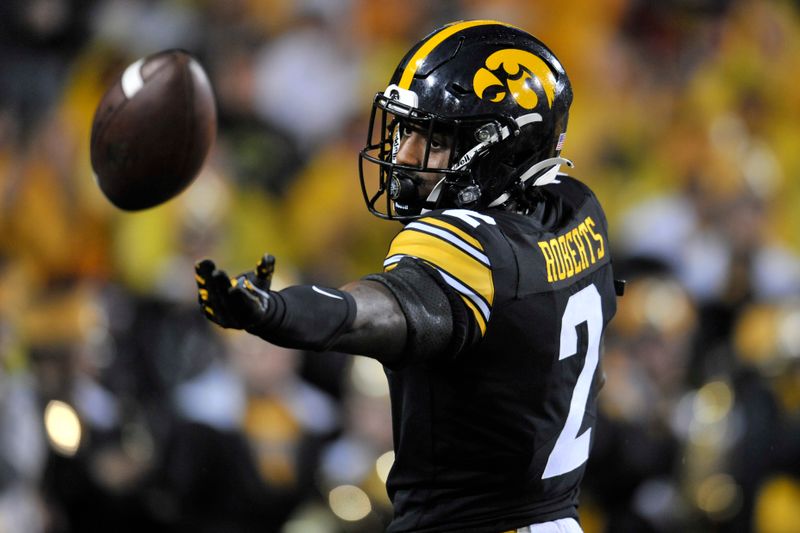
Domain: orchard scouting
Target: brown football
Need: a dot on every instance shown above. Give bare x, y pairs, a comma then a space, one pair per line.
152, 130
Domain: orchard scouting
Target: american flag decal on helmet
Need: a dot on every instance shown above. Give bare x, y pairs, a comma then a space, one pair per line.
560, 141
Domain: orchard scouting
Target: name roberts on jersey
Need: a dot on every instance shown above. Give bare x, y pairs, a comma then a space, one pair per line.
573, 251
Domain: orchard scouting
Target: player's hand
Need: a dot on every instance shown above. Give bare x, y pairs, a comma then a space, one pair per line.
239, 302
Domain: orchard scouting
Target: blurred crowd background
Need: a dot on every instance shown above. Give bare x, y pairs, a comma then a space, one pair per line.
122, 410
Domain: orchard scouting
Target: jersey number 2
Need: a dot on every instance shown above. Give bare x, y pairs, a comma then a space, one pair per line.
572, 450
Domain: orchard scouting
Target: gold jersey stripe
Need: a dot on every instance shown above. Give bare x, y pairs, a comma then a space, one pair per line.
466, 291
466, 237
478, 316
443, 255
451, 238
434, 41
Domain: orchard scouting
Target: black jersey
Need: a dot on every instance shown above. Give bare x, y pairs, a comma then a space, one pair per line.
498, 436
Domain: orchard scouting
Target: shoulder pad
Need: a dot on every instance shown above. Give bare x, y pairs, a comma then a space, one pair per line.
450, 241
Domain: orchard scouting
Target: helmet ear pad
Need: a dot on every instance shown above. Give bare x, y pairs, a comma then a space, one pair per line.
494, 171
498, 170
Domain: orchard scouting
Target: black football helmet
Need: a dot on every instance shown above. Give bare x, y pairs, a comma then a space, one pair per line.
500, 95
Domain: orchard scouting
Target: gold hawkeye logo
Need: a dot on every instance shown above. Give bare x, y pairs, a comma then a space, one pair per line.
520, 70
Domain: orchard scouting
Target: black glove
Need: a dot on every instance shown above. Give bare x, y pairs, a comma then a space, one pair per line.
240, 302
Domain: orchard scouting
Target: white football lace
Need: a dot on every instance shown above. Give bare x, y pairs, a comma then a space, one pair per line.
132, 80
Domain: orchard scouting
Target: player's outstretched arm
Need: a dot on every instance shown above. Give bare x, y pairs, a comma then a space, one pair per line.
379, 328
363, 317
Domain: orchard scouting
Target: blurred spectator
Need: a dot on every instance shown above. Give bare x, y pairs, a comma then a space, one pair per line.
356, 465
143, 27
634, 474
22, 450
38, 39
247, 454
307, 80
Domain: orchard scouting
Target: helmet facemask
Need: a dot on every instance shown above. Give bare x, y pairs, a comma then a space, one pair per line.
393, 190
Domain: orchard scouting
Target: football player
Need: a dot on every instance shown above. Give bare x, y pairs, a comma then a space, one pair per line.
490, 310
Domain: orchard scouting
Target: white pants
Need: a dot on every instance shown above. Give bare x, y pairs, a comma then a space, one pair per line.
564, 525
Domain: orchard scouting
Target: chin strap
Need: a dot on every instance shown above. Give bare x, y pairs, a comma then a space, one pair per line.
552, 166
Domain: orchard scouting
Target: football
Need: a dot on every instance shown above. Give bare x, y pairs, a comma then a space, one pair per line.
152, 130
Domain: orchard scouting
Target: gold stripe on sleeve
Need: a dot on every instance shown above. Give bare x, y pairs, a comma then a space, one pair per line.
466, 237
478, 316
447, 257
